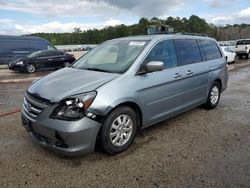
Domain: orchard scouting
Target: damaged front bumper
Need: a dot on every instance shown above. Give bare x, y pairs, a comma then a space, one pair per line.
70, 138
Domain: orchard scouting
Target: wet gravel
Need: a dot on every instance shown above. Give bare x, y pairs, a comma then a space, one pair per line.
198, 148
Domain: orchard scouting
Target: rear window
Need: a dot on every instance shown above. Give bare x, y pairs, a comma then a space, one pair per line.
188, 51
211, 50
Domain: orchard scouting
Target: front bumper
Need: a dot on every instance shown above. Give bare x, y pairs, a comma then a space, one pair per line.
17, 67
70, 138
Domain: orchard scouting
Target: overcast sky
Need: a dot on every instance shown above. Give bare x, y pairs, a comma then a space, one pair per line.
31, 16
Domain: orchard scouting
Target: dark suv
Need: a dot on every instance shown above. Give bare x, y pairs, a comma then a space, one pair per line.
42, 60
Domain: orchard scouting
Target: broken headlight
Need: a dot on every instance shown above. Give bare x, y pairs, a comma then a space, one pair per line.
73, 108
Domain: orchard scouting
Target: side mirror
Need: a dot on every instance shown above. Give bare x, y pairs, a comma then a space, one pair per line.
153, 66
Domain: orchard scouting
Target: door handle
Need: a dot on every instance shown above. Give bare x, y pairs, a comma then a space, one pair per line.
189, 72
49, 59
177, 75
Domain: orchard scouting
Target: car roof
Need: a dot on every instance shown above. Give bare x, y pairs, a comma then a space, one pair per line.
241, 40
9, 37
157, 37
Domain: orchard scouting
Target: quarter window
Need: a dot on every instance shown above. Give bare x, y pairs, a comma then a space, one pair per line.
188, 51
163, 51
211, 50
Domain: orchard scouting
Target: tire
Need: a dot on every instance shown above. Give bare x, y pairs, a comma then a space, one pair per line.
115, 129
30, 68
213, 96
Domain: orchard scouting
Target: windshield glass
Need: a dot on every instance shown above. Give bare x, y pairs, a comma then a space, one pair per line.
114, 56
34, 54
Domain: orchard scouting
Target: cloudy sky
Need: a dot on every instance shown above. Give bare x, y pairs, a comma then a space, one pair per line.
30, 16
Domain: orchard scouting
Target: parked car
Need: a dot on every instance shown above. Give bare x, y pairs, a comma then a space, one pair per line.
121, 86
12, 47
229, 54
242, 48
42, 60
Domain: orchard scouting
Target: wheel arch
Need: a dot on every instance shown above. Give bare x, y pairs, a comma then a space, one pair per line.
218, 81
133, 106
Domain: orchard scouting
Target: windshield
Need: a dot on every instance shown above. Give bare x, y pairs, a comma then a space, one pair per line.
34, 54
114, 56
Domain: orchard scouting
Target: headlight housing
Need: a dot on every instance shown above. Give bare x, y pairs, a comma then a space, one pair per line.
19, 63
73, 108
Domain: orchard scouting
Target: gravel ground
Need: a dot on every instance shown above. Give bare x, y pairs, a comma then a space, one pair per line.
198, 148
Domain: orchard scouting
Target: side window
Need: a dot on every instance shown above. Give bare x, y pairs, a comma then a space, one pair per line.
240, 42
56, 53
247, 42
163, 51
47, 53
211, 50
188, 51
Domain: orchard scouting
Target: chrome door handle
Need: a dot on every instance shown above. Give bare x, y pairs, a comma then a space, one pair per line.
189, 72
177, 75
49, 59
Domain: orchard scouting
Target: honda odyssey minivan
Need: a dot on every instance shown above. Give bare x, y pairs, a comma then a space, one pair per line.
121, 86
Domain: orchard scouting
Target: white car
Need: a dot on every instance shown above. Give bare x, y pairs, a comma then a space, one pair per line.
229, 54
242, 48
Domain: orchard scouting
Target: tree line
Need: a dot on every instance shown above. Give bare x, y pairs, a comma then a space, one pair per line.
194, 24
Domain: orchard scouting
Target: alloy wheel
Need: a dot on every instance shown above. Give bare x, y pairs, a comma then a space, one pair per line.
121, 130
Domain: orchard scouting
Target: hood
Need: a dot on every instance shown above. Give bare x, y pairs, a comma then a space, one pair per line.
69, 81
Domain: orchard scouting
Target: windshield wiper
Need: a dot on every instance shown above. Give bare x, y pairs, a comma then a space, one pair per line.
96, 69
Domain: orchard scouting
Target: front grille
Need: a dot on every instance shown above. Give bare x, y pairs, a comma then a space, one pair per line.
33, 105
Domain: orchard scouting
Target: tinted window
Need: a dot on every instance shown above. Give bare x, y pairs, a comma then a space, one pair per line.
211, 50
240, 42
164, 51
46, 53
248, 42
55, 52
188, 51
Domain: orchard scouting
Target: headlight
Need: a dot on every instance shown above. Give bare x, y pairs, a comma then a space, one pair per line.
19, 63
73, 108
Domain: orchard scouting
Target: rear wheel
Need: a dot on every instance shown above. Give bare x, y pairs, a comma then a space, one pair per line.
30, 68
213, 96
118, 130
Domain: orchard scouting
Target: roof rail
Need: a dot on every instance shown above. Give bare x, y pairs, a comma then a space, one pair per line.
193, 34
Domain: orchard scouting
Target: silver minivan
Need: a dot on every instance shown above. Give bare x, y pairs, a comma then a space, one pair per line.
121, 86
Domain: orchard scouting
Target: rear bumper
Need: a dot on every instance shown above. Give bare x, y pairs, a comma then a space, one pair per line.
70, 138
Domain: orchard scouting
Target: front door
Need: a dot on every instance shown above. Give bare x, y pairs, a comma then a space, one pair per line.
162, 92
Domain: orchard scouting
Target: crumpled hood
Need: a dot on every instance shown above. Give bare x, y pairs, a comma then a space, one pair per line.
67, 82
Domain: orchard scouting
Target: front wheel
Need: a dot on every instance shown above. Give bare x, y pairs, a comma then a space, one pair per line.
213, 96
30, 68
119, 130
